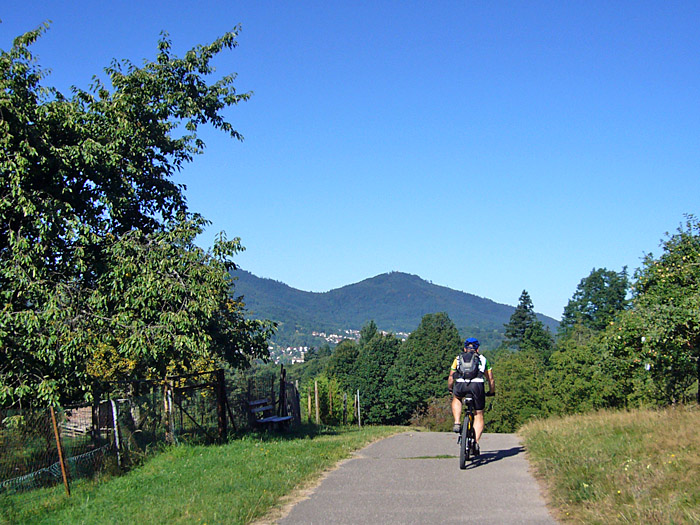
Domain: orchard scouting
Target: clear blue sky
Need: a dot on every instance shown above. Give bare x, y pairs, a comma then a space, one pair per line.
486, 146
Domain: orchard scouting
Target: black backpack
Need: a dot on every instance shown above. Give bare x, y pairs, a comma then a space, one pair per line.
468, 365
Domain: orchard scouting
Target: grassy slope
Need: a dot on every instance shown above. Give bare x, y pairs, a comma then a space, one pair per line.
233, 483
640, 466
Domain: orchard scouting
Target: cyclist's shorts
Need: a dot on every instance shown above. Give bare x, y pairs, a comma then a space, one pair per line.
477, 390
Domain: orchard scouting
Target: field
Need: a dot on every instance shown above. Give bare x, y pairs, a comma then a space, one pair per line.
233, 483
638, 466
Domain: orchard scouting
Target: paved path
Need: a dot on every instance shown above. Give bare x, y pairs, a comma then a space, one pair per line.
408, 479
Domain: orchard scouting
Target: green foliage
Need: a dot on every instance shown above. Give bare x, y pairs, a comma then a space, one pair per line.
597, 300
376, 358
341, 364
395, 301
99, 276
333, 400
421, 369
661, 332
524, 331
522, 318
522, 391
576, 373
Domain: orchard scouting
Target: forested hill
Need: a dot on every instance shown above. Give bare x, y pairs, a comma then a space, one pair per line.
395, 301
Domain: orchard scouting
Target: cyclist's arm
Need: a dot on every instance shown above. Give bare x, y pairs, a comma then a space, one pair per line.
491, 380
451, 378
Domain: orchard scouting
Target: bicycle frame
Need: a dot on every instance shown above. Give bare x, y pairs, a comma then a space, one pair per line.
467, 437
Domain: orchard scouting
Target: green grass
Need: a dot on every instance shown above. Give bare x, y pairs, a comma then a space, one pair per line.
233, 483
639, 466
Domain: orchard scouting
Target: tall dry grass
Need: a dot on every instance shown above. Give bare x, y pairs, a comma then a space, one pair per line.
637, 466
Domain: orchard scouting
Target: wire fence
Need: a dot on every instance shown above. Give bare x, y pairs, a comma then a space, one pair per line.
46, 447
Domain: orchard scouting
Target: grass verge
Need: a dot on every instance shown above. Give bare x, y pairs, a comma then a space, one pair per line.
233, 483
639, 466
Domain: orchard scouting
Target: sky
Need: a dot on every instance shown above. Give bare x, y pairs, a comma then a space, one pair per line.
491, 147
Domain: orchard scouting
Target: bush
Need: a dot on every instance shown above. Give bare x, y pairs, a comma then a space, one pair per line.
435, 416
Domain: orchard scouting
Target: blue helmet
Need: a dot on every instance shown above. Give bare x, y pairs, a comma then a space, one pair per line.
471, 341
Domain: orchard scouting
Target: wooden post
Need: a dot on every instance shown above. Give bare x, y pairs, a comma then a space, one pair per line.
330, 399
308, 412
316, 400
359, 417
60, 451
221, 404
345, 408
282, 407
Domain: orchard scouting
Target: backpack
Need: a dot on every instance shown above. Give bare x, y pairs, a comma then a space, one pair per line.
468, 365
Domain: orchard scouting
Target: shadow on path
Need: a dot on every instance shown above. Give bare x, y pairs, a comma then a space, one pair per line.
490, 457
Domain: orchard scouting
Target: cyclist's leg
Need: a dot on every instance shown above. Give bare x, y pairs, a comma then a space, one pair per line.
478, 424
457, 409
479, 405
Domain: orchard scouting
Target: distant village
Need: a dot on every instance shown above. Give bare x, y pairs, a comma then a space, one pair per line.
297, 354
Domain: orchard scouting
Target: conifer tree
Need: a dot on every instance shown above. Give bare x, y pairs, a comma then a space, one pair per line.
520, 321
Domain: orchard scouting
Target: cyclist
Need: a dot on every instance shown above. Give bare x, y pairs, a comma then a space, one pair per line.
460, 387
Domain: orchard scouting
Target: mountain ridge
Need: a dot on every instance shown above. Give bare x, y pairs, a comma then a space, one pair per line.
395, 301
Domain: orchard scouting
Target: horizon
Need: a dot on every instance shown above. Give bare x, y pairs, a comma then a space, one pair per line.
558, 320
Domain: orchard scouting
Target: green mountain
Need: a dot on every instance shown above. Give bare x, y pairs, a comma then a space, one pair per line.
395, 301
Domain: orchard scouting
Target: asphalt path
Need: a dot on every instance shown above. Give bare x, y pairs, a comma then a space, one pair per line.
415, 477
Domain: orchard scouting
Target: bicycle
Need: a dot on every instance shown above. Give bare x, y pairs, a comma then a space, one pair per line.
467, 437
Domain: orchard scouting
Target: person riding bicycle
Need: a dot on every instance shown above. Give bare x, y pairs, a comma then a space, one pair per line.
460, 387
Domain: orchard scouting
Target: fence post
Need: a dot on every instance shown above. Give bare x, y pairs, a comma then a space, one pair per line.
330, 400
169, 418
308, 412
116, 432
221, 405
345, 408
316, 400
282, 408
60, 450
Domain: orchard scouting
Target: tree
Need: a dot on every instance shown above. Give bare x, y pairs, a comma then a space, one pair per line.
666, 308
597, 300
341, 364
522, 318
367, 332
376, 357
85, 194
525, 332
522, 392
421, 369
576, 373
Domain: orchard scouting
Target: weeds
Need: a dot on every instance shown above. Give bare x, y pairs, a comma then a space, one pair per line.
620, 467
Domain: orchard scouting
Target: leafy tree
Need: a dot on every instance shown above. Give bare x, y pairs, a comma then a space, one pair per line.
86, 198
522, 392
375, 359
576, 372
662, 329
597, 300
420, 371
341, 364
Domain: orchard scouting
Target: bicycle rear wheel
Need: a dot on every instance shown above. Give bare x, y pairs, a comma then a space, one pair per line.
465, 443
